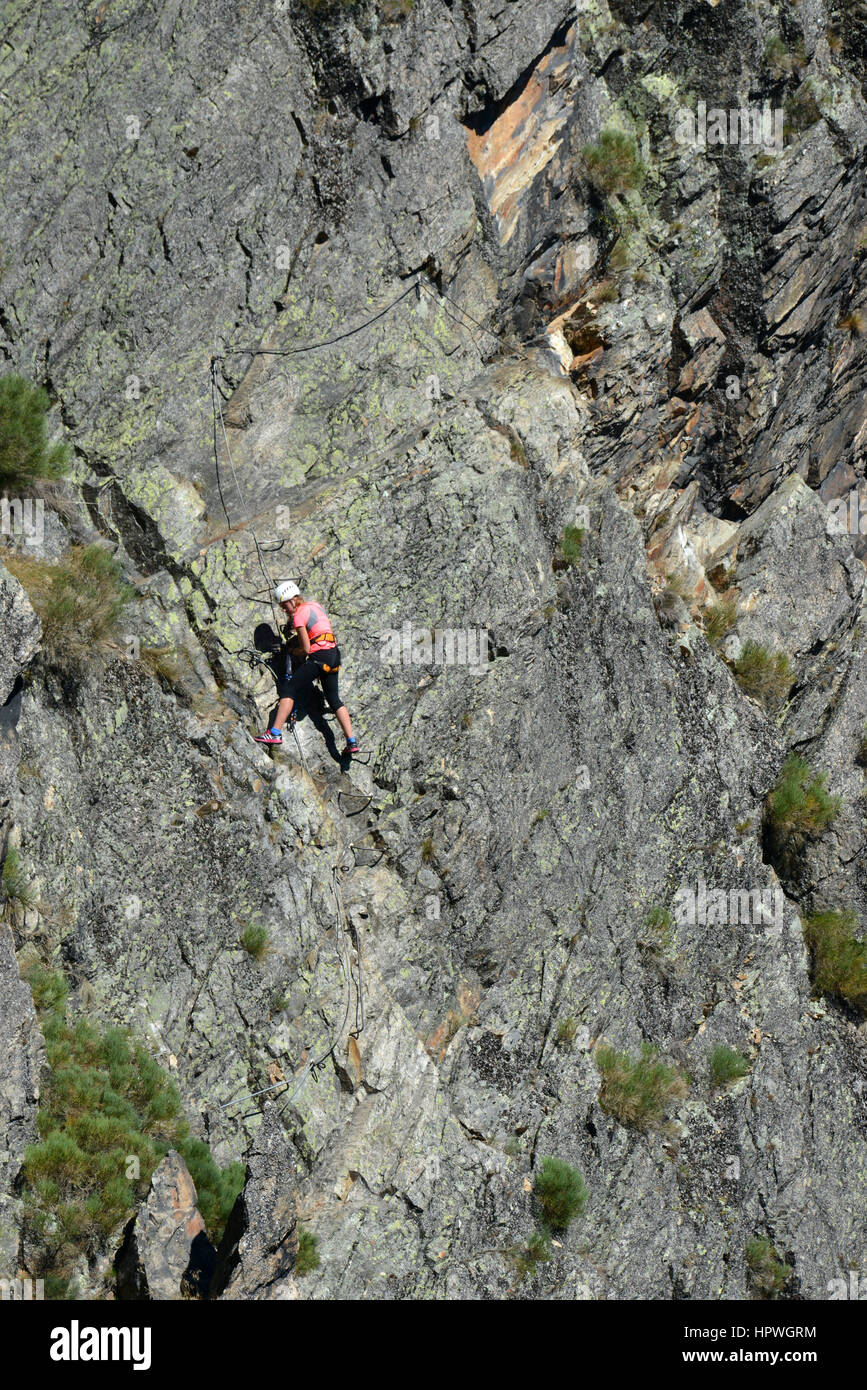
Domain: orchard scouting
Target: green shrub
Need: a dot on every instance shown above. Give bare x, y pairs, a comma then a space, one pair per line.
726, 1065
255, 939
307, 1258
800, 804
780, 59
719, 618
26, 456
569, 547
839, 959
659, 920
766, 1272
658, 930
14, 882
637, 1091
801, 109
561, 1191
527, 1258
79, 600
216, 1188
567, 1031
107, 1100
764, 675
613, 163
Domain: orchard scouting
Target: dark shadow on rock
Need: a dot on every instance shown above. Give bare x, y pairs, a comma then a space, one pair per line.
198, 1275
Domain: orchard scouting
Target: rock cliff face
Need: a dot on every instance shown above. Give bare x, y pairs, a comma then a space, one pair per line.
516, 342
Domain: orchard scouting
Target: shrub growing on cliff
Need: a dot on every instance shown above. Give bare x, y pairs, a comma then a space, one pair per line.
782, 60
26, 456
765, 675
307, 1258
567, 1031
766, 1272
658, 930
637, 1091
107, 1101
569, 547
561, 1191
839, 959
613, 163
719, 618
800, 804
254, 939
726, 1065
527, 1258
14, 882
79, 600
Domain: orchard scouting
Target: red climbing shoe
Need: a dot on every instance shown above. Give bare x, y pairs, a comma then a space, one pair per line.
351, 747
271, 736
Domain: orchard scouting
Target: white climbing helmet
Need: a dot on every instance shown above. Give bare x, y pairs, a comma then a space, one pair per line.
286, 590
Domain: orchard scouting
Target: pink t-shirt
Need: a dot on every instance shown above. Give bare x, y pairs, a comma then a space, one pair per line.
313, 616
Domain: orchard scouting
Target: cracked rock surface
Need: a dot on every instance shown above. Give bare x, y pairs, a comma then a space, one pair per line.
676, 369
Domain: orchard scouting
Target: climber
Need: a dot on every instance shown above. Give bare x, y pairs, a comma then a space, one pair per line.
321, 662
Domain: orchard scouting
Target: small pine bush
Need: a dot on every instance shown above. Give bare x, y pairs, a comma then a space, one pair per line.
659, 921
255, 939
719, 618
107, 1101
800, 804
780, 59
726, 1065
569, 547
839, 959
613, 163
307, 1258
26, 456
561, 1191
79, 600
638, 1091
801, 109
527, 1258
567, 1031
766, 1272
14, 882
764, 675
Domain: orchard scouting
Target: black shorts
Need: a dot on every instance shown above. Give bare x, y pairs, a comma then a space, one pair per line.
298, 685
